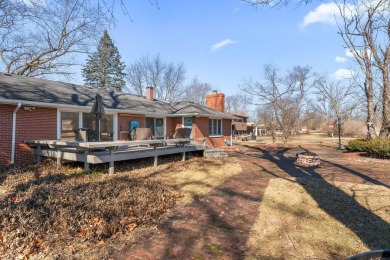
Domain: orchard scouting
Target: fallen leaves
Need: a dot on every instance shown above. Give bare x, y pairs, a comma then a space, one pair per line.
72, 209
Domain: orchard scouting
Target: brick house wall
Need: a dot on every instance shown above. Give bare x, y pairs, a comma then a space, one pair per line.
41, 123
173, 123
200, 129
5, 133
124, 124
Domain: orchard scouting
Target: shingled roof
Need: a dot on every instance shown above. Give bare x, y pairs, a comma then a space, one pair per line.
35, 91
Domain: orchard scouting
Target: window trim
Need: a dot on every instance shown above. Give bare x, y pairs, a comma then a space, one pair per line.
216, 135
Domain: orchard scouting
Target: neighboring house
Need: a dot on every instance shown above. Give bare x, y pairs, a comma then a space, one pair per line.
260, 129
33, 109
239, 125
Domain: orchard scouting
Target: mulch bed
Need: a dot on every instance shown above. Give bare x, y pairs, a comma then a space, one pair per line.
361, 156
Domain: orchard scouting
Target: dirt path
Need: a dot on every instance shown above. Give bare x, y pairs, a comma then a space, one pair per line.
217, 225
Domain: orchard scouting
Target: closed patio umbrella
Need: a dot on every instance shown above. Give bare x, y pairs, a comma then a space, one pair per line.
98, 111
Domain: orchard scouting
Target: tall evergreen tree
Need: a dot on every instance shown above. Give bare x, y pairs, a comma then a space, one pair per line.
104, 68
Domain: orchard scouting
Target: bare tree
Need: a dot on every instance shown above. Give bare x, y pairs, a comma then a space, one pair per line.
172, 82
365, 31
135, 78
238, 104
48, 35
153, 72
266, 115
11, 11
274, 3
196, 91
335, 98
285, 94
167, 79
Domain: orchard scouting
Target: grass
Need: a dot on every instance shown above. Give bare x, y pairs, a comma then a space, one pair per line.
203, 175
320, 140
291, 224
49, 213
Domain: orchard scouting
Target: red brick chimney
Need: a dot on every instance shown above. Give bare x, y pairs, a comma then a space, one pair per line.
216, 101
149, 93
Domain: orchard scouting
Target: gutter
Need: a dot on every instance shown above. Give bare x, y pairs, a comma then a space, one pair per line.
14, 132
87, 109
74, 107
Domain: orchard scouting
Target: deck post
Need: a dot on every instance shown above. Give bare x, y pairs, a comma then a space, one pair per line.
111, 163
86, 164
38, 154
155, 156
59, 155
183, 158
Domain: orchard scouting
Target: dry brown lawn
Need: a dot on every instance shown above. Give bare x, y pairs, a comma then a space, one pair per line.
320, 140
291, 225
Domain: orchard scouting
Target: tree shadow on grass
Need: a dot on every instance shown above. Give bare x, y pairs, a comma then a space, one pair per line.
365, 177
370, 228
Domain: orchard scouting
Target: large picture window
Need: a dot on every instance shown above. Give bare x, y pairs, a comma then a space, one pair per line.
215, 127
70, 124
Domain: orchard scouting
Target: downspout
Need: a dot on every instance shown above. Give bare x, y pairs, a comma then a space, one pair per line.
231, 133
14, 132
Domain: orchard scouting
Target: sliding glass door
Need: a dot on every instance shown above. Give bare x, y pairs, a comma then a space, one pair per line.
156, 125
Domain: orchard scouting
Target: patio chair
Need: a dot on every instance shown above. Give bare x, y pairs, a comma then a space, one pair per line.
143, 133
83, 135
180, 133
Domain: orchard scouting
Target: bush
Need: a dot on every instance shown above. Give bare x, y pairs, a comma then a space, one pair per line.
379, 148
376, 147
358, 145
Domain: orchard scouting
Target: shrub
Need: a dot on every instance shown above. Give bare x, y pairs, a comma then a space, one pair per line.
379, 148
358, 145
376, 147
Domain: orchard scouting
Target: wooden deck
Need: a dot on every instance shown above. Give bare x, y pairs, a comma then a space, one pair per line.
110, 152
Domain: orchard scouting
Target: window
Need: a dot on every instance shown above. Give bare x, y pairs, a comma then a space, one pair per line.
215, 127
106, 123
69, 125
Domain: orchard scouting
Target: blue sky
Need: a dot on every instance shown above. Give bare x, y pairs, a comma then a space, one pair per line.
222, 42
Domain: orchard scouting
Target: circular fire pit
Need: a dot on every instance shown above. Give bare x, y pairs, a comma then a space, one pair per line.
308, 159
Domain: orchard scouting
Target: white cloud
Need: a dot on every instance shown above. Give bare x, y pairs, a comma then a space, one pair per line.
340, 59
221, 44
343, 74
324, 13
349, 53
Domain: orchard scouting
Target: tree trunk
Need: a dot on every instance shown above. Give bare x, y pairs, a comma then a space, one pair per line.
385, 131
369, 89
